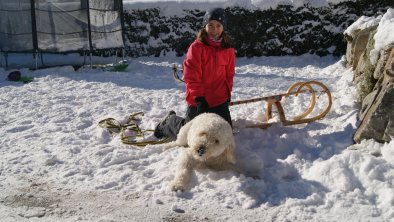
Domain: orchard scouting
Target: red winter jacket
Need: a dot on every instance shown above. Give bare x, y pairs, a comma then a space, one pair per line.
208, 72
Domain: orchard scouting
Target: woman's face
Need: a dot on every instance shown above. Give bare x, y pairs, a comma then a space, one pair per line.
214, 29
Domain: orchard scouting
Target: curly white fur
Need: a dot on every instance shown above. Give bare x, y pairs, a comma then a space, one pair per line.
209, 143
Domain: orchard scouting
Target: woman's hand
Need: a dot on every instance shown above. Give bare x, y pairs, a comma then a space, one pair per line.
202, 105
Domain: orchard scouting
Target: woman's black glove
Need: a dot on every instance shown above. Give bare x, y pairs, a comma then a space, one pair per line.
202, 105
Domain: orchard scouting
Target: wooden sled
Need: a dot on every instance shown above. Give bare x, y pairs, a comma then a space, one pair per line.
313, 88
296, 89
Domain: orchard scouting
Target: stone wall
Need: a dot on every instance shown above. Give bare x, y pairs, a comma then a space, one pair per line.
375, 85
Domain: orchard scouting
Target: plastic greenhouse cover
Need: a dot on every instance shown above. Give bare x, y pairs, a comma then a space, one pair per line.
61, 25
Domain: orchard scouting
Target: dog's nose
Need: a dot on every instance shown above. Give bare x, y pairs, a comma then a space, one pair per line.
201, 150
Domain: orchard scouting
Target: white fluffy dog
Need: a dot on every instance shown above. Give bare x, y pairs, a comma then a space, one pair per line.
209, 143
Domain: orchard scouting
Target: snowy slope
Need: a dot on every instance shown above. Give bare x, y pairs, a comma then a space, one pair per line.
57, 164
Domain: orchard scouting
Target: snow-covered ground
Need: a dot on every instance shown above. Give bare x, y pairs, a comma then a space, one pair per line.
57, 164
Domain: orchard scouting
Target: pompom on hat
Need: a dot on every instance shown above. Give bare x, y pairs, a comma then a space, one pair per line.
215, 14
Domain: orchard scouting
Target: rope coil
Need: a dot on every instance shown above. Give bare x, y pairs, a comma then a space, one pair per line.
130, 131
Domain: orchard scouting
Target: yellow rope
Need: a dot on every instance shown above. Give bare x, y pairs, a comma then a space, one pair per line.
114, 127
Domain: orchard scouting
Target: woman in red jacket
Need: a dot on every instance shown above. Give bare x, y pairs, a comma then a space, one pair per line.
208, 72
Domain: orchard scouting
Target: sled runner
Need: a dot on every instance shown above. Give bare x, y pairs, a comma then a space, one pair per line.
314, 88
175, 70
130, 132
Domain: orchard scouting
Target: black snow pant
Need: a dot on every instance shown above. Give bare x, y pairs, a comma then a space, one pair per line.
175, 123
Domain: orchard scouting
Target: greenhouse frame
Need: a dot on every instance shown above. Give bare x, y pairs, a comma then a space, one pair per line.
60, 26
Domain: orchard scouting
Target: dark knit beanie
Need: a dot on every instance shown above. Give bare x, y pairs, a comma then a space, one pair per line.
215, 14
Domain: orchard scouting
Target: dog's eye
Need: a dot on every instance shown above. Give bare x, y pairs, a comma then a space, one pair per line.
217, 141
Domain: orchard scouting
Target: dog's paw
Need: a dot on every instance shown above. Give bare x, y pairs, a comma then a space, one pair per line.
176, 186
